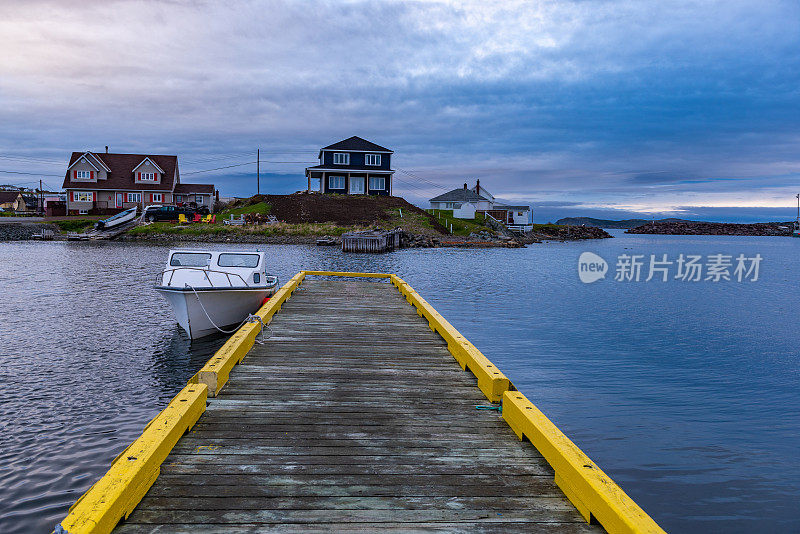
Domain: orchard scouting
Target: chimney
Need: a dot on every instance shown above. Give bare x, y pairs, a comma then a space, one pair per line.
106, 149
478, 186
465, 185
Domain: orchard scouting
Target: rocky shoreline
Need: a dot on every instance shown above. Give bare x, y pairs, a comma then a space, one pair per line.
407, 239
565, 233
23, 231
484, 239
710, 228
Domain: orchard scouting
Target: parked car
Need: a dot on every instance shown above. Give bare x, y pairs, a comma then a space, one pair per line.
202, 210
166, 213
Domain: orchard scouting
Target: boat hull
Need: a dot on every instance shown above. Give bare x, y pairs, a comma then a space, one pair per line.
226, 307
121, 218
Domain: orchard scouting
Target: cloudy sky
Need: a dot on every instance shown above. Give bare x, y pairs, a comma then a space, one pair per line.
599, 108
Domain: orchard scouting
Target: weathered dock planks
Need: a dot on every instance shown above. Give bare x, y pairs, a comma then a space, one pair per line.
352, 416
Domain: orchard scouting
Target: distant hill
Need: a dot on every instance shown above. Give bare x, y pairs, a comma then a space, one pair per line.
605, 223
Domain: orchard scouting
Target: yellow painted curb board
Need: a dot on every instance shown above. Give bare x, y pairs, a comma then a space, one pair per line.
592, 492
117, 493
491, 381
346, 274
216, 371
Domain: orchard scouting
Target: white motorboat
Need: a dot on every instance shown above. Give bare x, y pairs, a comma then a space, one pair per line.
213, 291
120, 218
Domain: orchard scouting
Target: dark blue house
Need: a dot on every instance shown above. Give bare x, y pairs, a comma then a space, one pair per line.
354, 166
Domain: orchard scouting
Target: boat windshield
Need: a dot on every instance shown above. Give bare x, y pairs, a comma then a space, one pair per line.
190, 259
238, 260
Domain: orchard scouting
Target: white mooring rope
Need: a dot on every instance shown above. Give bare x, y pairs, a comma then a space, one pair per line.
251, 318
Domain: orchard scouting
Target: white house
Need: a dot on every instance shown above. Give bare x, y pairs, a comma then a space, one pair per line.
466, 202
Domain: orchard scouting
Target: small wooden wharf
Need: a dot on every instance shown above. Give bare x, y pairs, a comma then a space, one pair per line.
356, 407
372, 241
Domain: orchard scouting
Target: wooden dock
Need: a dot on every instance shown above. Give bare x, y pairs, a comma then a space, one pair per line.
319, 429
373, 241
352, 415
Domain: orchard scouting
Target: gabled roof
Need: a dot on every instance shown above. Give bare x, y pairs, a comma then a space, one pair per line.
358, 144
92, 160
153, 163
202, 189
120, 175
8, 196
458, 195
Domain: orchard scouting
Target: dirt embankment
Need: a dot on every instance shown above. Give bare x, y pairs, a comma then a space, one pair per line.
344, 210
710, 228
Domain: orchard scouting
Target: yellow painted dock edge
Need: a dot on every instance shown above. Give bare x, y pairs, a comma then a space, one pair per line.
491, 381
216, 371
117, 493
592, 492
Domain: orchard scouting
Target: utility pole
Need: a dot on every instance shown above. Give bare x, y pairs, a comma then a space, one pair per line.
41, 198
258, 171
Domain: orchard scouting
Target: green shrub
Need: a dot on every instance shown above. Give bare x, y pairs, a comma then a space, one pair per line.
74, 225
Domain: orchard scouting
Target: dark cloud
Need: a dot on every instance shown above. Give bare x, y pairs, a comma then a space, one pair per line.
544, 102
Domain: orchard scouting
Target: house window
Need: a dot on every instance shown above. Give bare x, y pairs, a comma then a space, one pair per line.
147, 176
198, 199
335, 182
83, 196
157, 197
373, 159
83, 175
83, 212
134, 197
178, 198
377, 183
341, 158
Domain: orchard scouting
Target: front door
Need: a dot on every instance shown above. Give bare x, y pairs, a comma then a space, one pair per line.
357, 185
119, 200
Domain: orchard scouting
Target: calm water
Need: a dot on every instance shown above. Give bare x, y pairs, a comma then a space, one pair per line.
687, 394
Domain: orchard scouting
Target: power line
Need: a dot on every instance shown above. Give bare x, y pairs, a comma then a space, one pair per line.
219, 168
243, 154
423, 180
242, 164
29, 173
30, 159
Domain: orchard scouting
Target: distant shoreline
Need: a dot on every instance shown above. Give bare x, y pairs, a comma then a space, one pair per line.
777, 229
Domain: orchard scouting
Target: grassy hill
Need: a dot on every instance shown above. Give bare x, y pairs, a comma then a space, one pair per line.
305, 214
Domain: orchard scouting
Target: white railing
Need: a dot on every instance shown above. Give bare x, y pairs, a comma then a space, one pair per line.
205, 273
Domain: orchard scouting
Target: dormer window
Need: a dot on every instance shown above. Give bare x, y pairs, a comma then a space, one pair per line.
372, 159
83, 175
341, 158
147, 177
